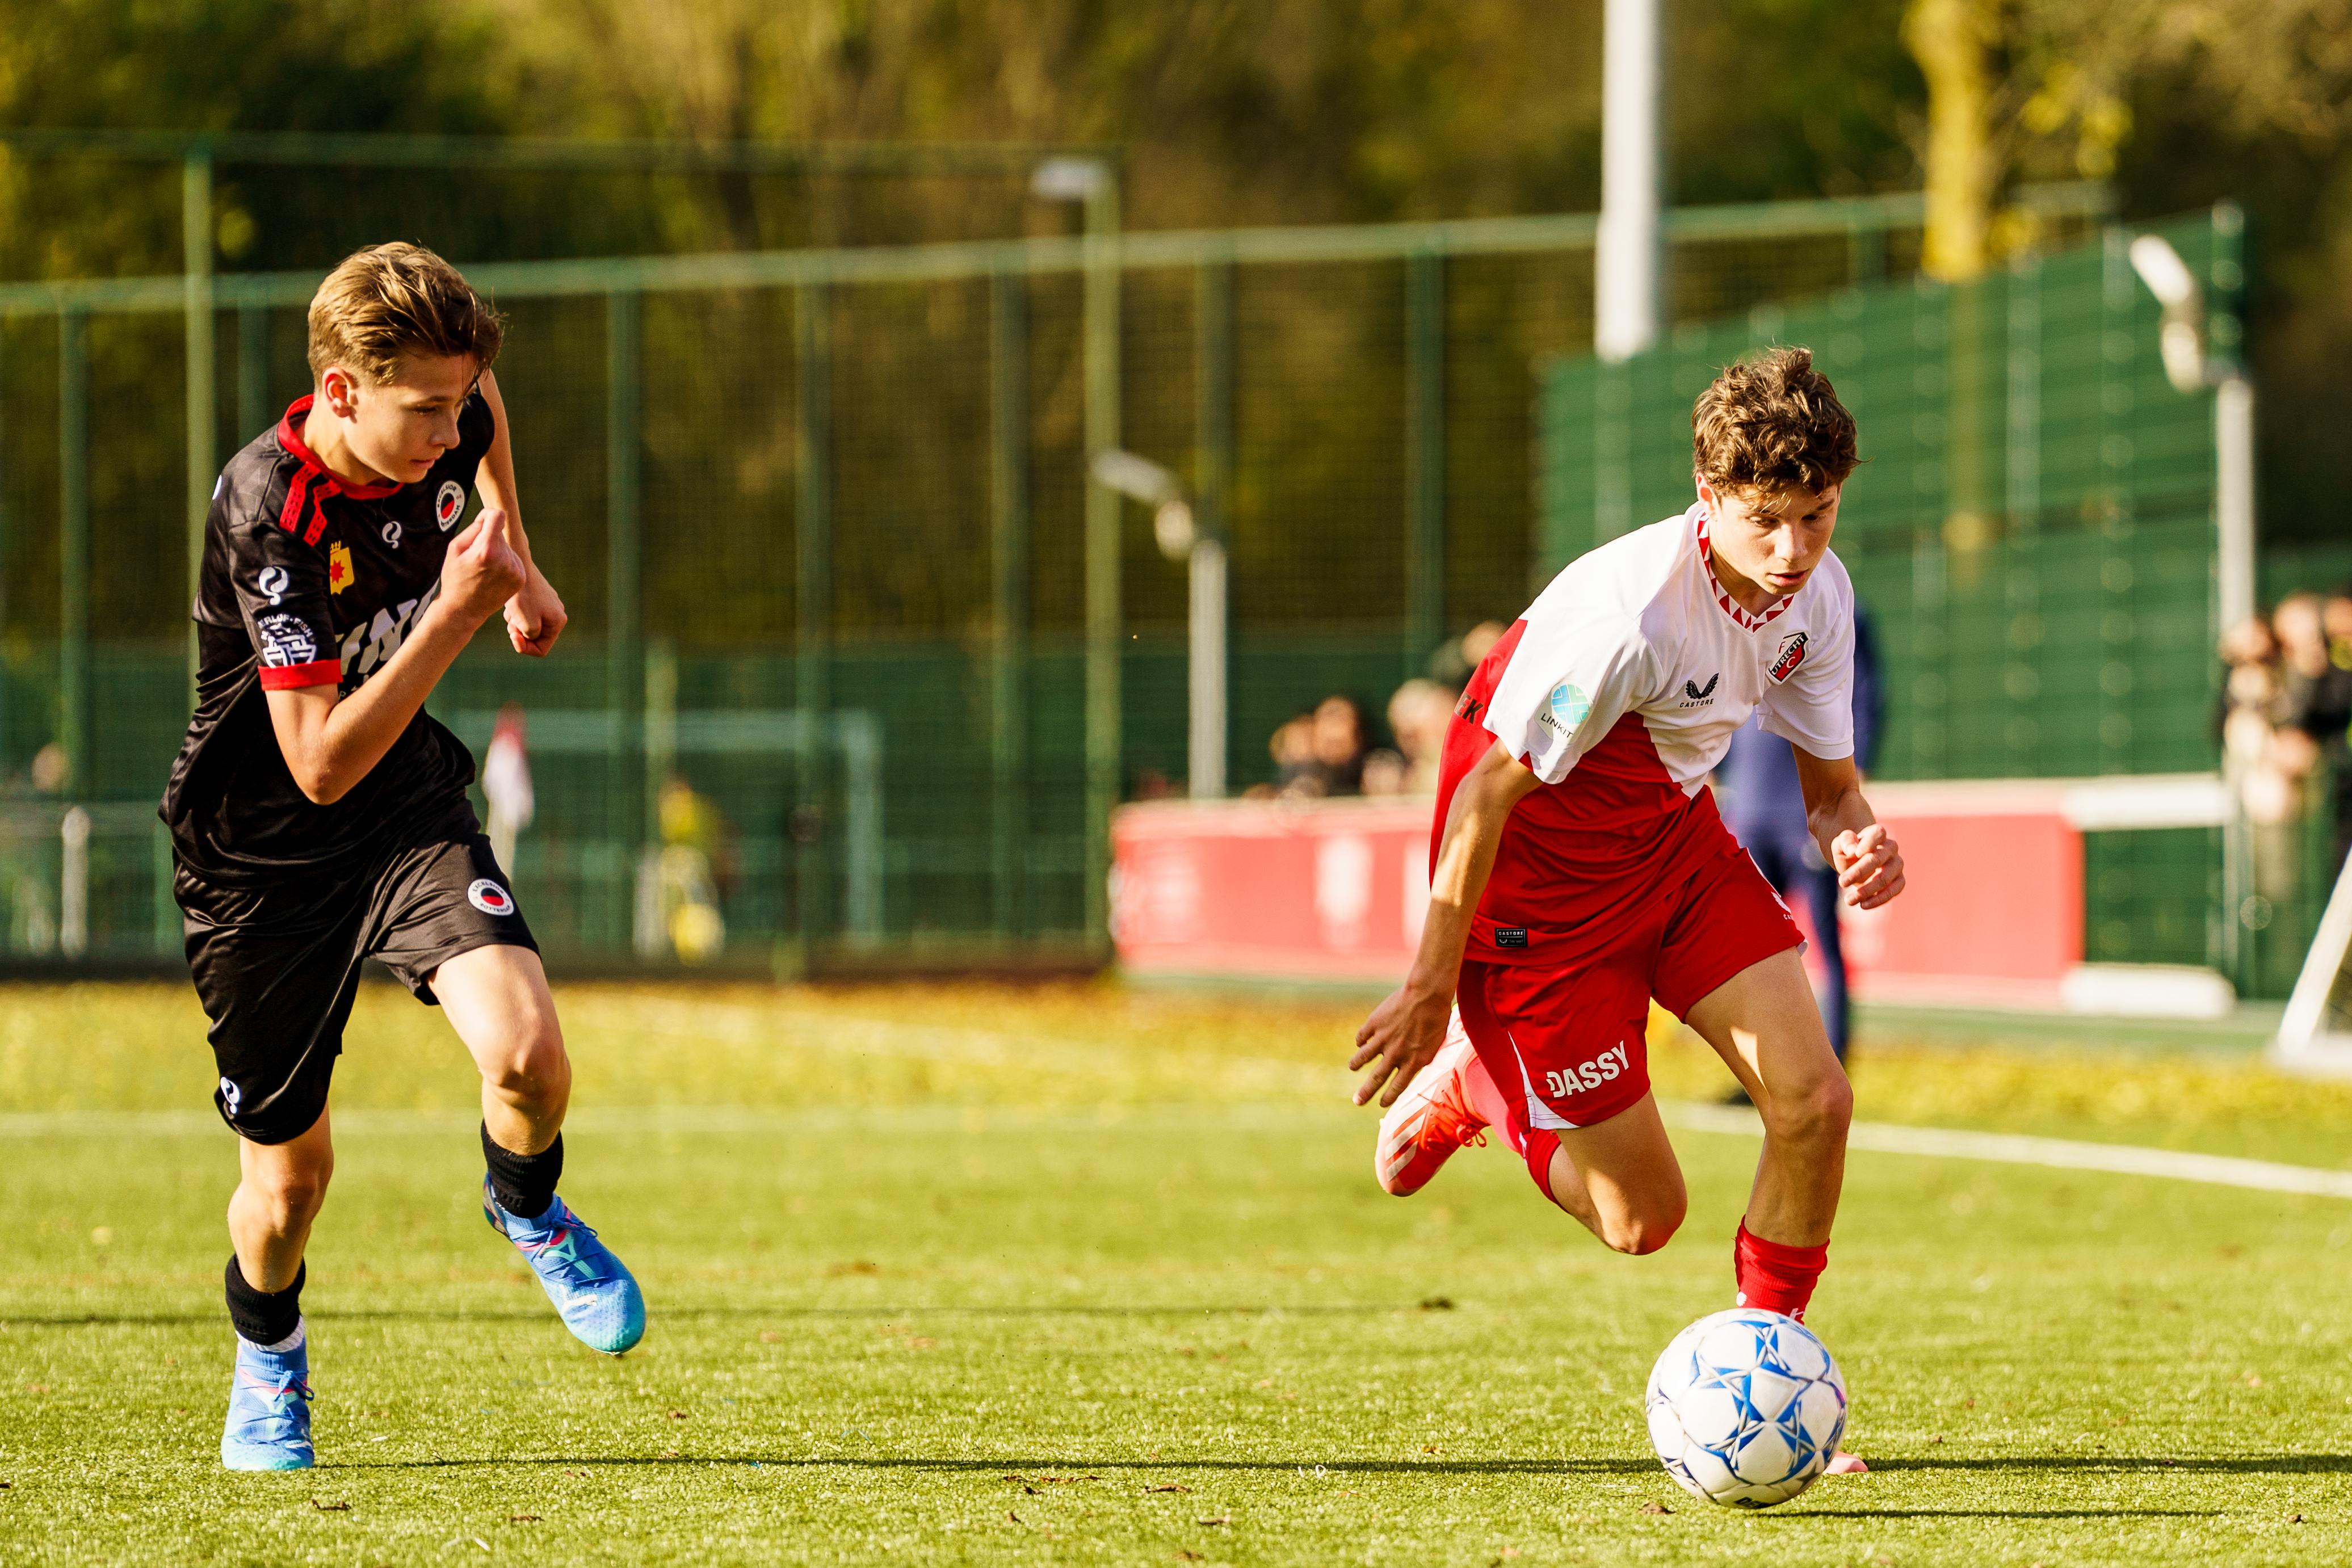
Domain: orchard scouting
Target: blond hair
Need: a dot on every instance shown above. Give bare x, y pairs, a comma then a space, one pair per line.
1771, 422
388, 301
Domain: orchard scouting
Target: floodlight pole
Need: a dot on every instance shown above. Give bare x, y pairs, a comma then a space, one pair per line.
1094, 182
1102, 431
1212, 422
1628, 249
197, 243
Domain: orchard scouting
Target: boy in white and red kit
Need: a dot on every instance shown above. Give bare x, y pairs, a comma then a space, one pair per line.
1578, 867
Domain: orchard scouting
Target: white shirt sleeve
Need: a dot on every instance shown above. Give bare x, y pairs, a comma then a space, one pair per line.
1562, 694
1813, 708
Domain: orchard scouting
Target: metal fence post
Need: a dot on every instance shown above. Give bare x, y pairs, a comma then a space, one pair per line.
1101, 353
1008, 432
73, 548
1425, 333
812, 602
7, 544
2022, 478
2118, 348
623, 598
204, 438
1213, 483
1931, 558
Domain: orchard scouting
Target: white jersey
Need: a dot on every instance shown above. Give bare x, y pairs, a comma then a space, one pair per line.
1641, 627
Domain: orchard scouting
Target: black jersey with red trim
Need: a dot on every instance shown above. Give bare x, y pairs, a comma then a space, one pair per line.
311, 580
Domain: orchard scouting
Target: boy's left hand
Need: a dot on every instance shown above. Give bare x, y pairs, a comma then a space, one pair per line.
1869, 866
535, 617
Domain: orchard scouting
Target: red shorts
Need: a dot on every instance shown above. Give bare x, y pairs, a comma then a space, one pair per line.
1565, 1046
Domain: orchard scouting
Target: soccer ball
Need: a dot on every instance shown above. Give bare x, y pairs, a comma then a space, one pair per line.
1745, 1407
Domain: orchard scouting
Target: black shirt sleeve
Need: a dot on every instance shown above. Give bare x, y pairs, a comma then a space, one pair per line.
282, 586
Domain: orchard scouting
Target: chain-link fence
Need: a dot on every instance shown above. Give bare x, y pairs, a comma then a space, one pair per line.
822, 518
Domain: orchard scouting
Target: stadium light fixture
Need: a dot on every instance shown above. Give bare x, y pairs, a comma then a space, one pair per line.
1070, 179
1181, 538
1141, 479
2181, 339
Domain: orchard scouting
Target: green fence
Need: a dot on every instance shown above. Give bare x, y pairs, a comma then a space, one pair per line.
823, 521
2032, 533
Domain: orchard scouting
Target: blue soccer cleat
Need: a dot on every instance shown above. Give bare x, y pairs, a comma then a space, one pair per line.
594, 1292
269, 1410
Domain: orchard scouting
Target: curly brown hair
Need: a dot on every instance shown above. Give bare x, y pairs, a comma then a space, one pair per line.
1771, 422
389, 301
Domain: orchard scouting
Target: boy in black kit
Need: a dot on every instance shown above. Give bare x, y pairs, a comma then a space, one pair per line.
319, 816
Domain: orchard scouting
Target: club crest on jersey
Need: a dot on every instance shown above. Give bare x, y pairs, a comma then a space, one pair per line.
1698, 694
1566, 708
489, 897
448, 504
340, 575
286, 641
1792, 654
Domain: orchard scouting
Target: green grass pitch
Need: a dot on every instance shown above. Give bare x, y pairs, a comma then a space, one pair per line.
1077, 1275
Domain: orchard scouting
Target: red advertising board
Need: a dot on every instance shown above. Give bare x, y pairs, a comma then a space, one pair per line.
1335, 891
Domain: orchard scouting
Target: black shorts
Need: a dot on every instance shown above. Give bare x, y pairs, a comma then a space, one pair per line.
277, 967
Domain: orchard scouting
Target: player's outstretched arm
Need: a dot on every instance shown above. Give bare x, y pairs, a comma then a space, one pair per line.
1868, 862
535, 615
1405, 1032
331, 743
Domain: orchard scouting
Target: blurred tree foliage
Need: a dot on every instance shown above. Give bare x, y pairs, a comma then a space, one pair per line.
1233, 110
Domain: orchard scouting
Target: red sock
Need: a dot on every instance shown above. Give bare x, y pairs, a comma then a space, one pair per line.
1489, 1102
1777, 1278
1542, 1143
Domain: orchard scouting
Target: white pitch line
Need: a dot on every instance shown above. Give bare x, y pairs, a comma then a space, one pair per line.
2065, 1153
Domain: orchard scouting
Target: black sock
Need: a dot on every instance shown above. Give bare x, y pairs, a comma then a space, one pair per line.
524, 1185
263, 1317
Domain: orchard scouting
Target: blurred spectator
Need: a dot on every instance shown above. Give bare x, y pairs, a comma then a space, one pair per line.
2263, 763
506, 786
1384, 773
49, 768
1764, 804
1418, 715
1319, 753
1457, 656
2336, 615
1292, 747
677, 886
2316, 705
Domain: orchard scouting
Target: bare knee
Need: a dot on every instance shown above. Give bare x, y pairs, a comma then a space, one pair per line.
1642, 1229
534, 1069
1817, 1113
290, 1195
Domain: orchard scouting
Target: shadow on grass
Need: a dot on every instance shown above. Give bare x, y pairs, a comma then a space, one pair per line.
1034, 1465
2274, 1464
1887, 1513
2247, 1463
538, 1313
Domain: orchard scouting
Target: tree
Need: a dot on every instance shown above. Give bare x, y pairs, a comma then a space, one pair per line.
2044, 87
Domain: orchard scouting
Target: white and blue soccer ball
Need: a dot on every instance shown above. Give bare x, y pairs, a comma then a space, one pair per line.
1746, 1407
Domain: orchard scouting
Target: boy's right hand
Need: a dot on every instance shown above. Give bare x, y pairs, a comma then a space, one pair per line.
482, 570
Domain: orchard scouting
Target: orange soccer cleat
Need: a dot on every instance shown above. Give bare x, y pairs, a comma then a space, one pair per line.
1434, 1116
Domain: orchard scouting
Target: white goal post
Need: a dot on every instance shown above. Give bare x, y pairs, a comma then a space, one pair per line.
2316, 1032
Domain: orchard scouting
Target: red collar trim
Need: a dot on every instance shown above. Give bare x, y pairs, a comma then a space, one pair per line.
1723, 599
289, 436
